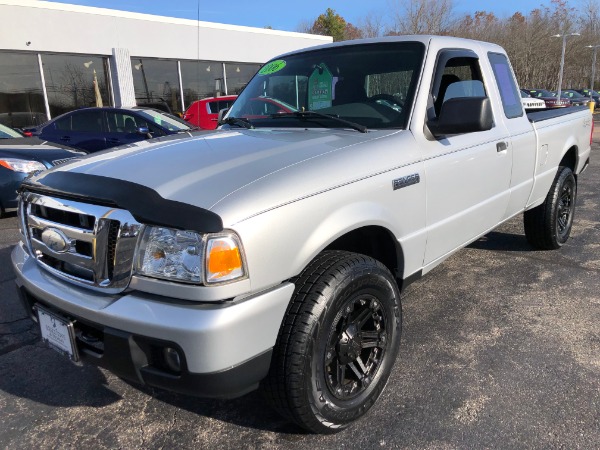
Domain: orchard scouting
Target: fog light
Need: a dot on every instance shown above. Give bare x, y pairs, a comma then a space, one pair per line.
172, 359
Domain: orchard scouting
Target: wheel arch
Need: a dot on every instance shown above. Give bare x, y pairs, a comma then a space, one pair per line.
377, 242
570, 159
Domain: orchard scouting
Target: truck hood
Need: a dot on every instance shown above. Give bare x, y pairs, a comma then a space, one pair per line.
212, 169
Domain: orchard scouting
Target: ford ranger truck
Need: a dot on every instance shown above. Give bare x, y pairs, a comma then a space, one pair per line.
271, 253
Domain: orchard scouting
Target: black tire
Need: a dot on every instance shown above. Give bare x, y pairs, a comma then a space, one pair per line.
337, 343
548, 225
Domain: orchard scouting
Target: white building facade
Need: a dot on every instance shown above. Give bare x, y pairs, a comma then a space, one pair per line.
55, 57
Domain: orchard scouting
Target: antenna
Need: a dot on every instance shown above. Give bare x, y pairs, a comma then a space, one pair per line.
198, 53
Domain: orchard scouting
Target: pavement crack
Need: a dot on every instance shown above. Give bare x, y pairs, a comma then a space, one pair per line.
14, 321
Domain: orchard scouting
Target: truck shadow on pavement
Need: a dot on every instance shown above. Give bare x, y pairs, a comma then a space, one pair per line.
249, 411
41, 375
501, 241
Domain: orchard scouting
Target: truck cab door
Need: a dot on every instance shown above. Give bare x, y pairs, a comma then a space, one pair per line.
468, 174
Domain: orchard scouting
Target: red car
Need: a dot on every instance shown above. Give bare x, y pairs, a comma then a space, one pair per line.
259, 107
204, 113
549, 98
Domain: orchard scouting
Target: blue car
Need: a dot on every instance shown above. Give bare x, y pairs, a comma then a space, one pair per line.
95, 129
19, 157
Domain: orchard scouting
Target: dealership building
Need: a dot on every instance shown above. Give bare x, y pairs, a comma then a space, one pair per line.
53, 55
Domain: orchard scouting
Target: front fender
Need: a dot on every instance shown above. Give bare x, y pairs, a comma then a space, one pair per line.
279, 243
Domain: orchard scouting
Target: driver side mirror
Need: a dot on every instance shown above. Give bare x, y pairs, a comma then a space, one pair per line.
222, 113
143, 130
463, 115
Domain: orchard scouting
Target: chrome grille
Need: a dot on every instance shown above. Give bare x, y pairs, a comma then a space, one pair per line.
88, 245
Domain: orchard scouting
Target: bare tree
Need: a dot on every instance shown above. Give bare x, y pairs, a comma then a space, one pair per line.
421, 16
590, 15
372, 25
526, 36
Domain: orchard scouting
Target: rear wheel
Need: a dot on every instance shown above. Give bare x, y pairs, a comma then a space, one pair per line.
337, 344
548, 225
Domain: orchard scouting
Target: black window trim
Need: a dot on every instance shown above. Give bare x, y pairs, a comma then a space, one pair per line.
445, 55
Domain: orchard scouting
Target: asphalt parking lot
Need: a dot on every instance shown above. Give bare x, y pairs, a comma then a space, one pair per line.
500, 349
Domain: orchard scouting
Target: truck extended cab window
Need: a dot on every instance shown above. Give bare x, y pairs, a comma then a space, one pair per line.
509, 94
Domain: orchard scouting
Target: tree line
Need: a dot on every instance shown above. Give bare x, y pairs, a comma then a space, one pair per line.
527, 37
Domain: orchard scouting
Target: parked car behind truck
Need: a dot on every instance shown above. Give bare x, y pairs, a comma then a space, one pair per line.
95, 129
204, 113
272, 252
551, 100
19, 158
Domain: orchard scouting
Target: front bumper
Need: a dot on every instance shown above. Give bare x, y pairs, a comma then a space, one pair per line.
225, 348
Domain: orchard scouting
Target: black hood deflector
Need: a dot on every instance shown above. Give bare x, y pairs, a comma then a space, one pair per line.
145, 204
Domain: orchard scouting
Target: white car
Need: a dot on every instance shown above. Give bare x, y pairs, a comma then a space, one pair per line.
531, 103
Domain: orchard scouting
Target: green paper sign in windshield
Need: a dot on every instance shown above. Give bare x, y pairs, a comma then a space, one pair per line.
272, 67
319, 88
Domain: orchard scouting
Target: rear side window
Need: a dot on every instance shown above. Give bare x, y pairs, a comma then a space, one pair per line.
87, 121
509, 94
63, 124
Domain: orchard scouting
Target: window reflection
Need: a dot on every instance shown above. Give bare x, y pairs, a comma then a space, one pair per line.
156, 84
71, 84
70, 81
21, 93
238, 76
201, 79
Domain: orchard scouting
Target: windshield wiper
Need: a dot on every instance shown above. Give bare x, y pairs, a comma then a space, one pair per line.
314, 114
239, 121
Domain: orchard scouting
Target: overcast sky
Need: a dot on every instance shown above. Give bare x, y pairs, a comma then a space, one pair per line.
285, 14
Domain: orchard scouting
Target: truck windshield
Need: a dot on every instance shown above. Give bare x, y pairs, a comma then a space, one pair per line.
369, 85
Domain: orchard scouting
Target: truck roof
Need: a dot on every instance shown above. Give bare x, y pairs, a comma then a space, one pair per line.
448, 41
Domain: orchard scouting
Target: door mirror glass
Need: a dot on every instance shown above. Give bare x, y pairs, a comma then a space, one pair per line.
463, 115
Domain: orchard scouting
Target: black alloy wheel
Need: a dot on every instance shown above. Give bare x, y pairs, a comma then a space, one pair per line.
564, 210
548, 226
337, 343
357, 346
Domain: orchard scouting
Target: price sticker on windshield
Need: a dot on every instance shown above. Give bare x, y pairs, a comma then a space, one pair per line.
272, 67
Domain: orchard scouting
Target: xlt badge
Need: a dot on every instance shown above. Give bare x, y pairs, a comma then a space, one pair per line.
408, 180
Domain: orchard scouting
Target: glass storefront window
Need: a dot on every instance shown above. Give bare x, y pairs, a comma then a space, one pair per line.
156, 83
201, 79
70, 81
21, 93
238, 76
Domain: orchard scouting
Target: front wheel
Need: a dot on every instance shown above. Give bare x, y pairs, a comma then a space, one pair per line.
337, 344
548, 225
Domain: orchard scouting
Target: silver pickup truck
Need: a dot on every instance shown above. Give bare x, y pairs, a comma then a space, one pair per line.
272, 252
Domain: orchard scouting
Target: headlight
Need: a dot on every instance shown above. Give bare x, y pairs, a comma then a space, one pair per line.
21, 165
189, 256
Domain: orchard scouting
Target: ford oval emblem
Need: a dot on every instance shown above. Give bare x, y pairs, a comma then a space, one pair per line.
55, 240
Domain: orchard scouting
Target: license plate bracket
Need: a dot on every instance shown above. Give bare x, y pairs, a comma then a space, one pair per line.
58, 332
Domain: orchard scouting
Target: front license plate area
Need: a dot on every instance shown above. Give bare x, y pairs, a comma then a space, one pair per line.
58, 332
